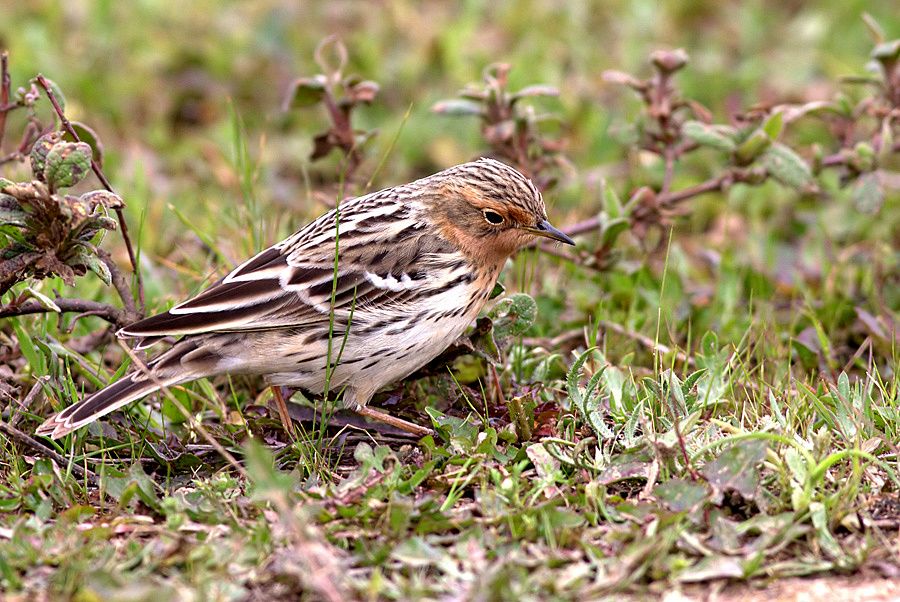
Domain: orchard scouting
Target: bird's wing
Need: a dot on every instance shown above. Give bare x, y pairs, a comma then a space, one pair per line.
384, 258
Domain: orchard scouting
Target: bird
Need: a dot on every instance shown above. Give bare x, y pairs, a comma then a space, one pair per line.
360, 298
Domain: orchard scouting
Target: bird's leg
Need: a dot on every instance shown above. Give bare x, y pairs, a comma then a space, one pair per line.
403, 425
283, 411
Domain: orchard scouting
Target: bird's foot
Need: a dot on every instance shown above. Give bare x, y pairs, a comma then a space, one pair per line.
399, 423
283, 413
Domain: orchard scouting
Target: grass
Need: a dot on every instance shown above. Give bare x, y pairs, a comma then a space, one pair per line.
718, 403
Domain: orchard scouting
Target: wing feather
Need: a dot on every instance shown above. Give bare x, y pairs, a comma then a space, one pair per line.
290, 284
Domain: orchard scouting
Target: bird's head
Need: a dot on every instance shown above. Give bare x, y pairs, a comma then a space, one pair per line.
489, 209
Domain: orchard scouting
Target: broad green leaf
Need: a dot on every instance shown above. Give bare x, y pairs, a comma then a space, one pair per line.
268, 481
679, 495
736, 469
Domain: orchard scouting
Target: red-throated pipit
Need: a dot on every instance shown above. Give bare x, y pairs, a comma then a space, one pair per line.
416, 263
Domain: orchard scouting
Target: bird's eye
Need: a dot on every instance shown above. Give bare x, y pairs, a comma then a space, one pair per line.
493, 217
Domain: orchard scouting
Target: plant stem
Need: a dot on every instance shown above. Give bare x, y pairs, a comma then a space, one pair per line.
120, 215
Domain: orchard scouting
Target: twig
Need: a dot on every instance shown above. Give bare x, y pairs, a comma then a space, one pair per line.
843, 158
111, 314
29, 399
121, 285
120, 215
26, 440
4, 92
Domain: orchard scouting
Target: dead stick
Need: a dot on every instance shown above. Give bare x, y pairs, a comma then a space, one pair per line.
108, 312
121, 285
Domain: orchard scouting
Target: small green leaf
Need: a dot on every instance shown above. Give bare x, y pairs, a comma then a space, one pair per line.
797, 464
612, 229
125, 487
45, 301
87, 135
268, 481
57, 92
67, 164
787, 167
612, 204
498, 290
751, 148
96, 265
461, 434
774, 125
709, 344
709, 135
819, 515
39, 151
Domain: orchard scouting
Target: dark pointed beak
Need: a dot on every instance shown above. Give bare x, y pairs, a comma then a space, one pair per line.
546, 229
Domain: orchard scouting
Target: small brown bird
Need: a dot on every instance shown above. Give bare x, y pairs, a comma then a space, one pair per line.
416, 263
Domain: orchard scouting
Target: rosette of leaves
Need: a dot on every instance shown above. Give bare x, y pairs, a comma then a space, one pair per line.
513, 130
49, 233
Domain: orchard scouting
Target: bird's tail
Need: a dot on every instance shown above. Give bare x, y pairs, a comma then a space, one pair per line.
187, 360
106, 400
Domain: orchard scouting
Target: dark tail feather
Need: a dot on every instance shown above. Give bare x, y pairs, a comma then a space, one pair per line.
187, 360
99, 404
